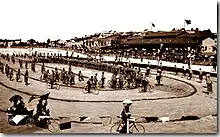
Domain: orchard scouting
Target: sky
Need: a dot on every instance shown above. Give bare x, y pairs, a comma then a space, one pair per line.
66, 19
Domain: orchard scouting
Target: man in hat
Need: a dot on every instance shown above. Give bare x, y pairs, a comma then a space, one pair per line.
125, 114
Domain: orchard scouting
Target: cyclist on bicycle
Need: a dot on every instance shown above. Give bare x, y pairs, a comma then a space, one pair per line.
95, 80
80, 76
125, 114
145, 82
46, 75
121, 80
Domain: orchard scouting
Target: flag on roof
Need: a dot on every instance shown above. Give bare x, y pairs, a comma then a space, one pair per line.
188, 22
153, 25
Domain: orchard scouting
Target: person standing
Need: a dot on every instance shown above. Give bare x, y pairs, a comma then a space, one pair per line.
11, 74
18, 75
200, 75
209, 83
103, 79
26, 78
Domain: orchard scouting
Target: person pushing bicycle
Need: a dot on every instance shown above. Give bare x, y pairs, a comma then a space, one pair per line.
125, 114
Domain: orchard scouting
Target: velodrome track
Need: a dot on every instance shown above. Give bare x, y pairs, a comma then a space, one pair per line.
178, 97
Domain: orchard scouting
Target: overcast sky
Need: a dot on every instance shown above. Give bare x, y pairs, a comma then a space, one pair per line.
65, 19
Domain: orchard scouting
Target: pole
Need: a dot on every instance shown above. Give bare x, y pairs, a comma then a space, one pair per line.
127, 125
184, 24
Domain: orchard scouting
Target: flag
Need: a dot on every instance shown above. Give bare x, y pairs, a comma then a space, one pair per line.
153, 25
188, 22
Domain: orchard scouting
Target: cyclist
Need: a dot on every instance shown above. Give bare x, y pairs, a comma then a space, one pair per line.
71, 78
95, 80
121, 80
125, 114
145, 82
46, 75
80, 76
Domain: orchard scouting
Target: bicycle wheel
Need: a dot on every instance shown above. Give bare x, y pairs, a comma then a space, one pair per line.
115, 128
53, 126
48, 85
109, 83
57, 86
149, 88
95, 92
140, 89
30, 123
137, 128
85, 90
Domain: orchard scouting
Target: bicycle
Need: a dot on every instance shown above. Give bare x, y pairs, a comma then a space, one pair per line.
56, 85
149, 89
92, 90
133, 127
50, 124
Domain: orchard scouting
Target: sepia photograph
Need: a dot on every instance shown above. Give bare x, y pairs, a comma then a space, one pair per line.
108, 67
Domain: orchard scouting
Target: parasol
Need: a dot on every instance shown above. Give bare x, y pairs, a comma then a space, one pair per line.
15, 97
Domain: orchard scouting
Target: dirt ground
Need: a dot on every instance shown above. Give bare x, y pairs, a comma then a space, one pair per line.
198, 104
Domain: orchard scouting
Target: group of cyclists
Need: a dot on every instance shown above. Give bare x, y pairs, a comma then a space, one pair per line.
124, 74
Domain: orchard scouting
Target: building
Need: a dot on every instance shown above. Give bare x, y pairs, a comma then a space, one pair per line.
209, 46
9, 43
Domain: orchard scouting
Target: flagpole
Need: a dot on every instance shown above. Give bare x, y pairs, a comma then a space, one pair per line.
184, 24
